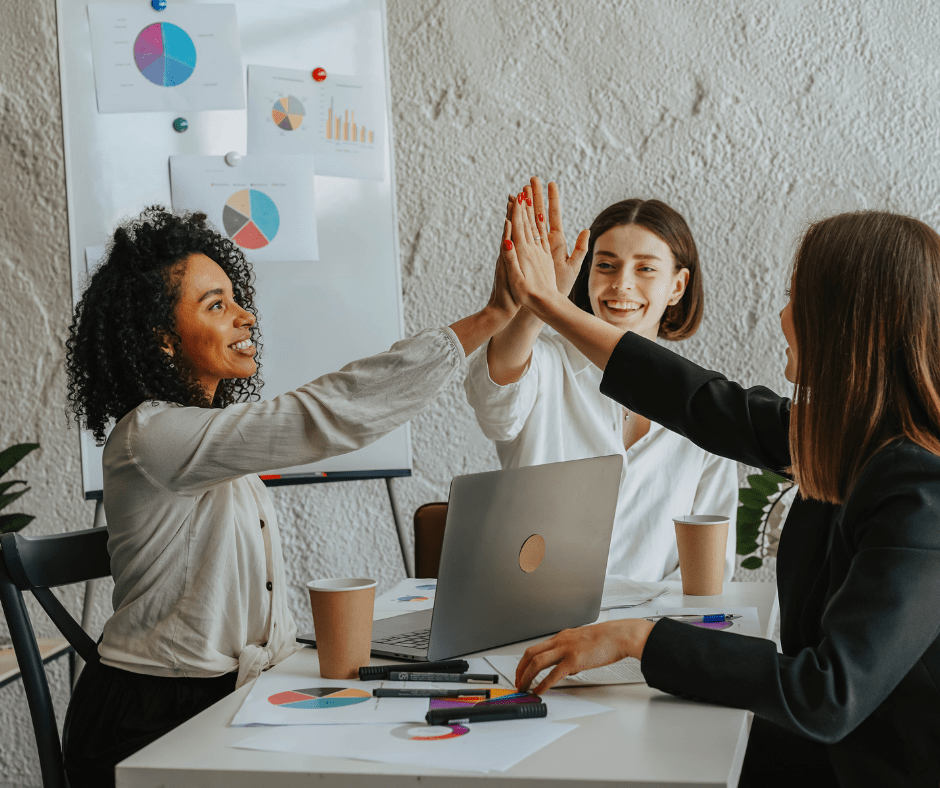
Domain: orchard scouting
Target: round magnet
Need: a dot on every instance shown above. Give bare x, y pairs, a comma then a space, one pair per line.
318, 74
232, 158
158, 5
180, 124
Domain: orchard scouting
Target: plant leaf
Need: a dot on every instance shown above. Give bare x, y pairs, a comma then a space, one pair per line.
9, 457
14, 522
4, 486
763, 485
745, 546
749, 516
752, 563
752, 498
6, 500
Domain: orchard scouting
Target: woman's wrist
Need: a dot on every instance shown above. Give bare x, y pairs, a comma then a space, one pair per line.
634, 634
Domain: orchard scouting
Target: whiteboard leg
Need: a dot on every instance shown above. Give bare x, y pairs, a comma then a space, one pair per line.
402, 536
88, 602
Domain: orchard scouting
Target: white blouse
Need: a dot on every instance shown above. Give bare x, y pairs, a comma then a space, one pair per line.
199, 586
556, 412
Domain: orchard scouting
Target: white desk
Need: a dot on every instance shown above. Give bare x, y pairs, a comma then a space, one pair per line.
650, 739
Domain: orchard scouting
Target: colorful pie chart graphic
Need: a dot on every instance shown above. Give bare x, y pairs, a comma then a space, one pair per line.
319, 698
165, 54
288, 113
250, 218
412, 599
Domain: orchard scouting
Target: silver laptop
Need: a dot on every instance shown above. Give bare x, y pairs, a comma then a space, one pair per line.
524, 555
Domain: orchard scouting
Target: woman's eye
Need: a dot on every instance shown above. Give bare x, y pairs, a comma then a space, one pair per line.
604, 266
216, 305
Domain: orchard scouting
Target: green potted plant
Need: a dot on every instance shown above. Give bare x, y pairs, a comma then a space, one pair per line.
8, 458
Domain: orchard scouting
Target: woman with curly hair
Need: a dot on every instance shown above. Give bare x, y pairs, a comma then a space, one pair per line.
164, 345
854, 699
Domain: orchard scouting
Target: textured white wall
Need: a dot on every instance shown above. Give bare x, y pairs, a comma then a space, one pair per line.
750, 117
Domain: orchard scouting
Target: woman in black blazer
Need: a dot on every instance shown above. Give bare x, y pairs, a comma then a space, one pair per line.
854, 699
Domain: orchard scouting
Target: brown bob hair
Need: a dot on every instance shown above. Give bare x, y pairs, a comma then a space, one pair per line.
683, 318
865, 301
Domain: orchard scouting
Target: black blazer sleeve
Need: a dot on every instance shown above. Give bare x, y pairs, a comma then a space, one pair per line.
747, 425
877, 634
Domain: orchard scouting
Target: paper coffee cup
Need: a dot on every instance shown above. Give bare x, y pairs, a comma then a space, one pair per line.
342, 619
702, 540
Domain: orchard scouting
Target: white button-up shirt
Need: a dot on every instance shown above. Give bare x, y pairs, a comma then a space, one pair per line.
556, 412
199, 585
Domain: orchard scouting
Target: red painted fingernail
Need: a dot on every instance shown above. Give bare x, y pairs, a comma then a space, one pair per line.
521, 197
528, 202
507, 245
541, 218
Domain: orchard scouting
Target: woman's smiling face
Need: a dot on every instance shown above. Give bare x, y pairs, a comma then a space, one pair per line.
633, 279
214, 331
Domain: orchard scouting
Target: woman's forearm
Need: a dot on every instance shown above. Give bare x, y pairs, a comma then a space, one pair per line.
589, 334
475, 329
508, 352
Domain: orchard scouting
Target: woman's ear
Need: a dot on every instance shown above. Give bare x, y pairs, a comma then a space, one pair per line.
678, 288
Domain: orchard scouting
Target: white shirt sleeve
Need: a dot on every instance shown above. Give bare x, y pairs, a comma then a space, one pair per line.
188, 450
501, 411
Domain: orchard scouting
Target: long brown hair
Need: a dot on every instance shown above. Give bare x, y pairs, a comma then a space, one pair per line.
682, 319
865, 295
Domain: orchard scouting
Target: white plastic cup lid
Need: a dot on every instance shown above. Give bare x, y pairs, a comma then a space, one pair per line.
702, 519
342, 584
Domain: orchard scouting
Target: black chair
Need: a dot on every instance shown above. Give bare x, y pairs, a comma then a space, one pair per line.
38, 564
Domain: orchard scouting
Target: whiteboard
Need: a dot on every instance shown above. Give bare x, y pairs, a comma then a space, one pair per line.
315, 316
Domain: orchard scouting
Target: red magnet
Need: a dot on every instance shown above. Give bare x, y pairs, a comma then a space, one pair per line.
319, 74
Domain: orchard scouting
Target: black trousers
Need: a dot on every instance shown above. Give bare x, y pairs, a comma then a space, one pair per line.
114, 713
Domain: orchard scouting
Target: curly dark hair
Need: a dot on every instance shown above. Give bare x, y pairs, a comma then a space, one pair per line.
127, 314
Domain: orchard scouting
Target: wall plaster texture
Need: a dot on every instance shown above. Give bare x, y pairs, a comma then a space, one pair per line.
752, 118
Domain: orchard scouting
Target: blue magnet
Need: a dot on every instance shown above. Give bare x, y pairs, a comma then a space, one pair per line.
158, 5
180, 124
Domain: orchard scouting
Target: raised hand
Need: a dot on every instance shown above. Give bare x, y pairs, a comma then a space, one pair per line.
574, 650
566, 266
501, 298
529, 264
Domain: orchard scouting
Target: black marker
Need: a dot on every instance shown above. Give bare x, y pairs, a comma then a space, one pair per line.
382, 671
394, 692
467, 678
511, 711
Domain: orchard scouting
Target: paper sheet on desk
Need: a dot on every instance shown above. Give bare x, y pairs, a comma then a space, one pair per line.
626, 671
303, 699
747, 624
410, 594
483, 747
620, 591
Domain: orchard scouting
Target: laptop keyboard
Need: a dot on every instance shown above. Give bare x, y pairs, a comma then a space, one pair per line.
418, 639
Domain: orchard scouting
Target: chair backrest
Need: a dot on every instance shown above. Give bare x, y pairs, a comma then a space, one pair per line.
38, 564
429, 522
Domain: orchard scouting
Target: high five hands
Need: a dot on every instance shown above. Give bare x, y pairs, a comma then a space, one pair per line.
536, 256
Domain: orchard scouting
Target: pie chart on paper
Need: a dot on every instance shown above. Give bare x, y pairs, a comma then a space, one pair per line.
288, 113
319, 697
250, 218
165, 54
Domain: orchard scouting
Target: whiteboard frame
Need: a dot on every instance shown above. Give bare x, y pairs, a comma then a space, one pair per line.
351, 466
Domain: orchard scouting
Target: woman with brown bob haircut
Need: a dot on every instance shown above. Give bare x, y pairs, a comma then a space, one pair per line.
538, 397
854, 699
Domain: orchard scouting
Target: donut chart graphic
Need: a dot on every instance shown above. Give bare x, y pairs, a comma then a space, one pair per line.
165, 54
712, 624
455, 731
250, 218
319, 698
412, 599
288, 113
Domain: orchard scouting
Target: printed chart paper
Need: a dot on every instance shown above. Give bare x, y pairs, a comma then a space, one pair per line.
302, 699
410, 594
265, 204
186, 57
745, 621
339, 120
627, 671
482, 747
